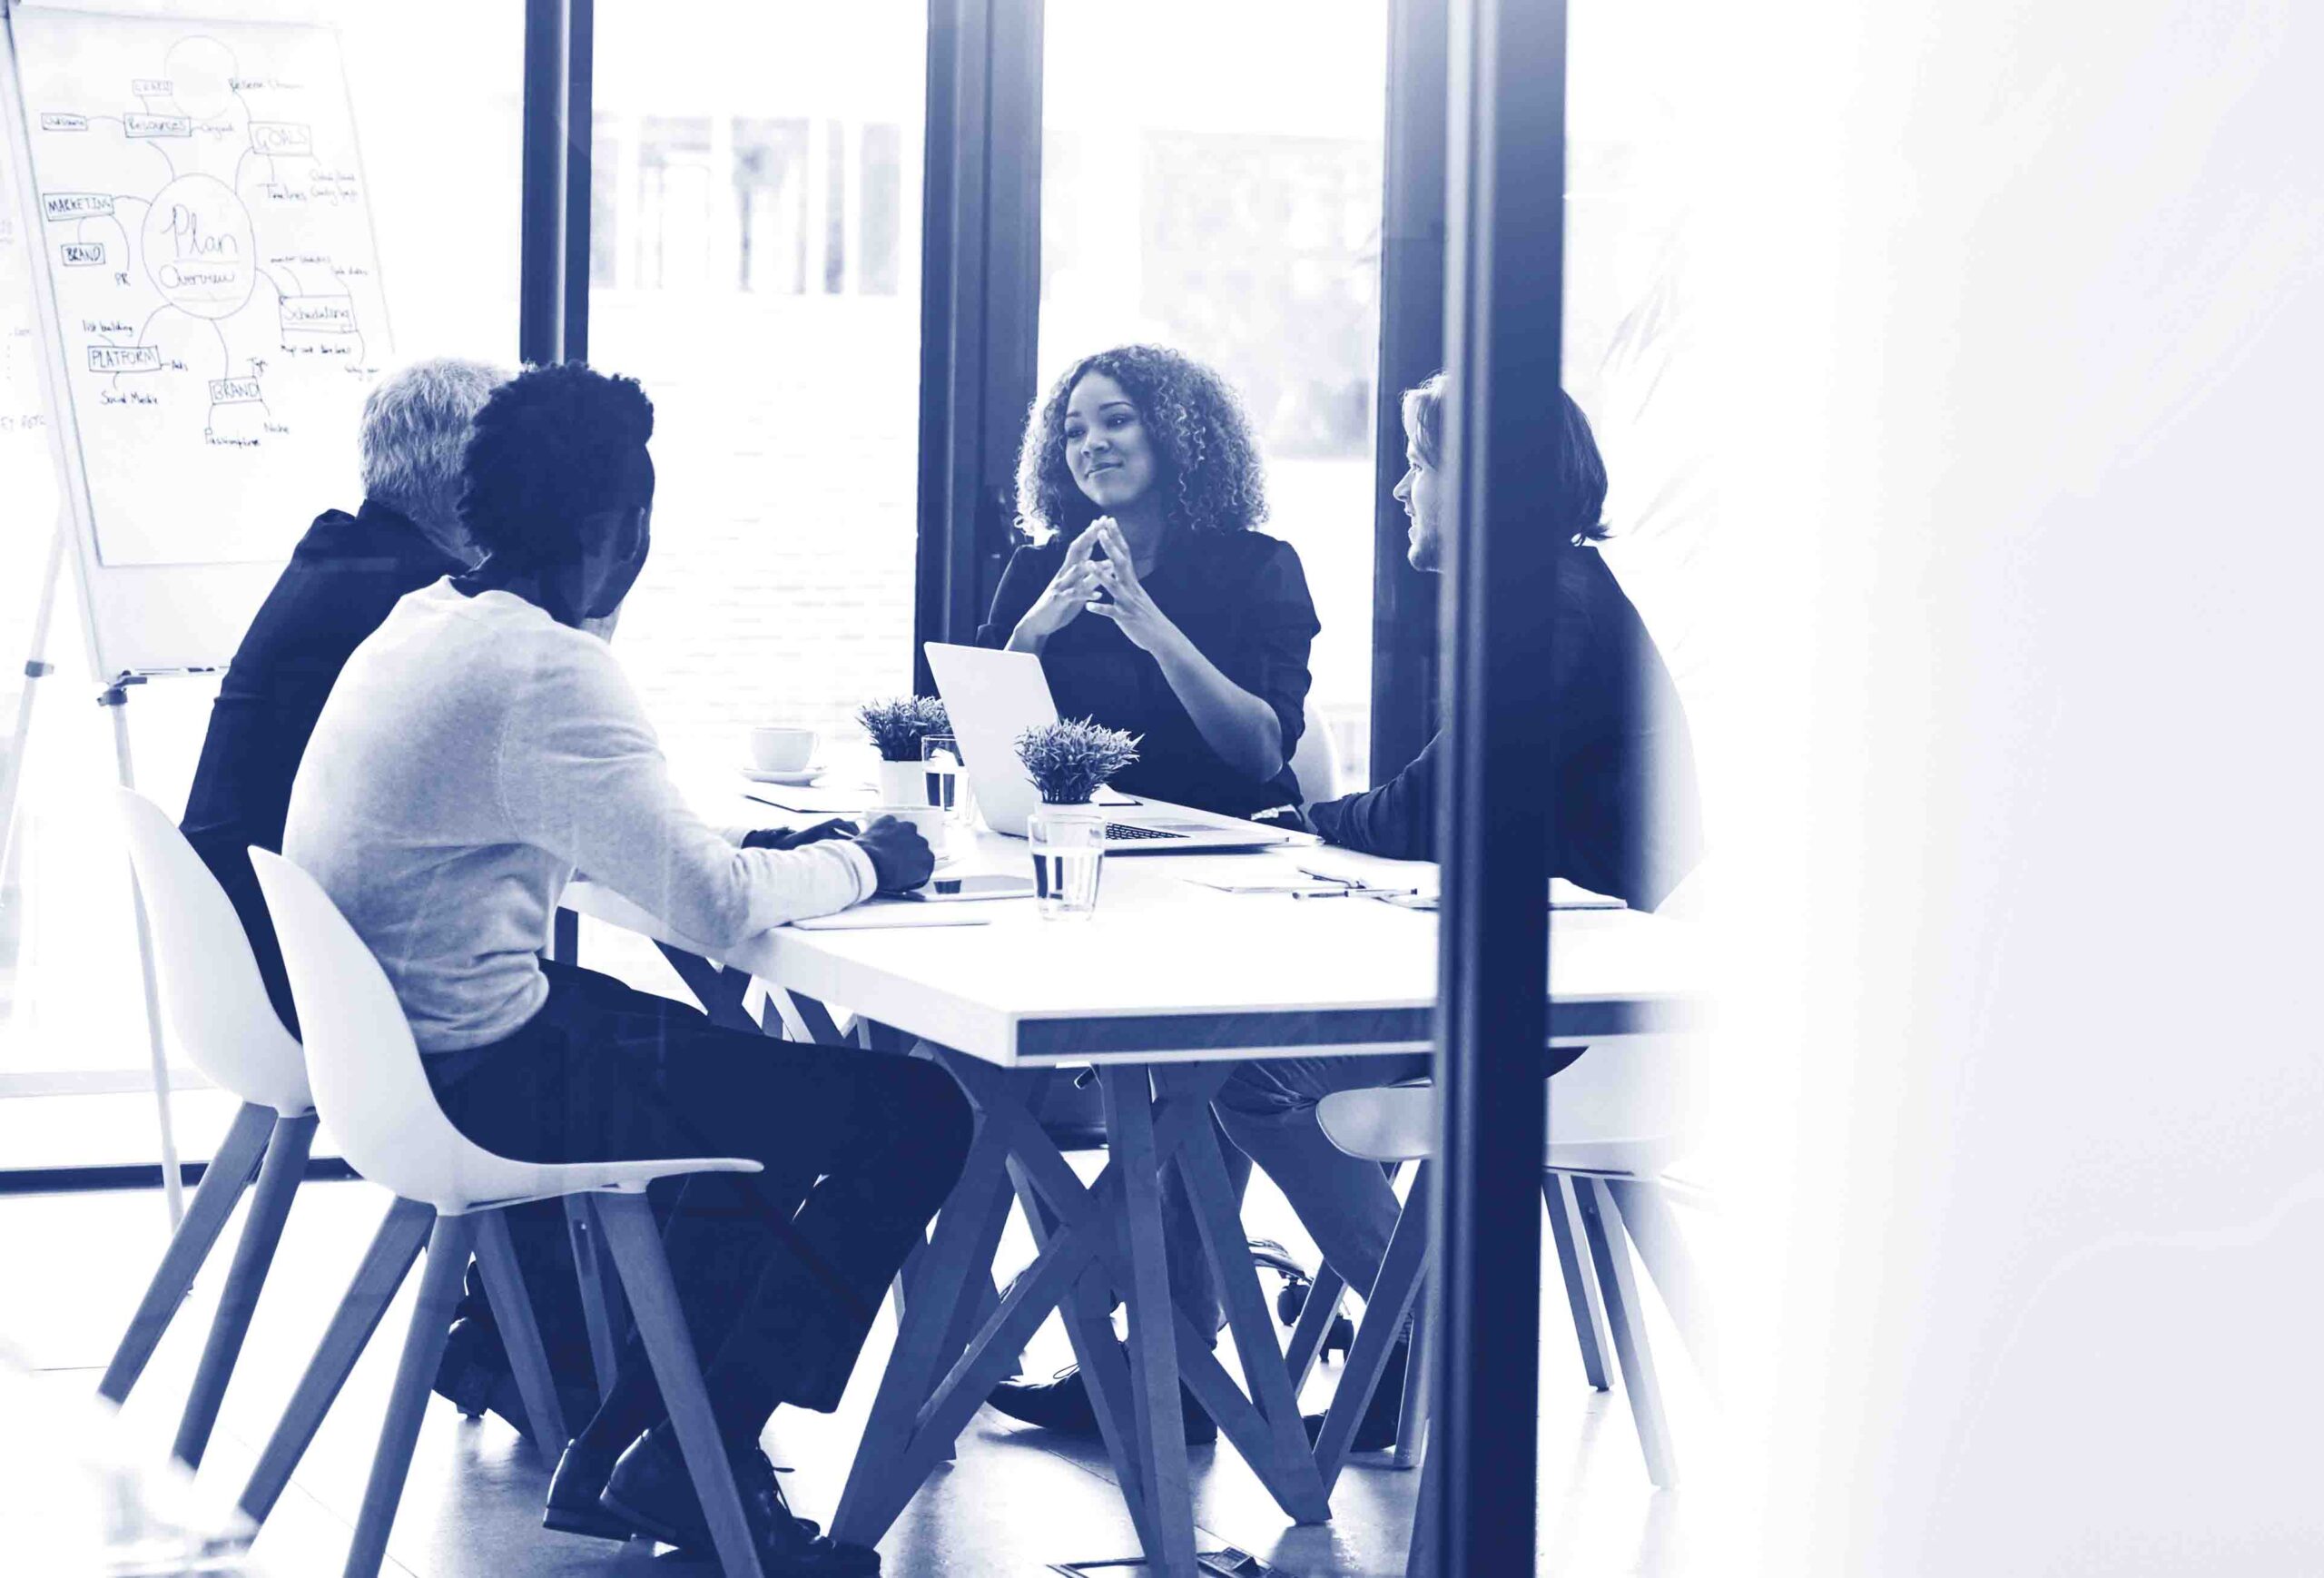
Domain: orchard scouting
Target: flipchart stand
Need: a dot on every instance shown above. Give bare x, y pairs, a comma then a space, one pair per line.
114, 698
65, 455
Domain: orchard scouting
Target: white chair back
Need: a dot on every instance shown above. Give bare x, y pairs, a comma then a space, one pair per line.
1315, 763
371, 1089
210, 983
1620, 1107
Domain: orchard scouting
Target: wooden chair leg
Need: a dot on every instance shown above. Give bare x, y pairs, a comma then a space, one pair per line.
1391, 1301
1647, 1218
277, 1185
1580, 1297
393, 1249
1412, 1414
450, 1243
596, 1296
228, 1173
1609, 1249
628, 1226
520, 1334
1420, 1556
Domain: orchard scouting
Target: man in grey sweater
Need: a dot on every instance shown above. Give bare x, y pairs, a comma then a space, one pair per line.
478, 748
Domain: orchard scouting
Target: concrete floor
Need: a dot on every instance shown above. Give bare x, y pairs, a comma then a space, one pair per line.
1016, 1501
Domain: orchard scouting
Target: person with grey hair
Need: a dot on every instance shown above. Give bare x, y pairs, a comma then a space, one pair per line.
415, 429
344, 575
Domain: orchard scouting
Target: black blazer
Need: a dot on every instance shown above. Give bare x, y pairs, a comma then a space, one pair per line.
1241, 598
344, 575
1616, 751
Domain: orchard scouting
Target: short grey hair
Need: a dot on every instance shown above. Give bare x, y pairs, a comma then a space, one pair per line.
416, 426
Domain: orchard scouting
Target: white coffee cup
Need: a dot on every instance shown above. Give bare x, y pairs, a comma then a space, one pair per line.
782, 750
929, 819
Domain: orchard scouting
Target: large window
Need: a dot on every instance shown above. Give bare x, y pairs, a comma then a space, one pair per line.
754, 261
1211, 182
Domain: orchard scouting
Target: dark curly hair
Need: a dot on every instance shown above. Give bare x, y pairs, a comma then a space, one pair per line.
552, 447
1209, 462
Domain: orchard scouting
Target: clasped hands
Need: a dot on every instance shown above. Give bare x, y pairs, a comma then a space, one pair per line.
1108, 588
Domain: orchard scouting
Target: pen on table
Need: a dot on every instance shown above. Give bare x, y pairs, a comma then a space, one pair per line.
1358, 891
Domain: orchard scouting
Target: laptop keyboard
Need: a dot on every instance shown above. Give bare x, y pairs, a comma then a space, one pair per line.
1123, 833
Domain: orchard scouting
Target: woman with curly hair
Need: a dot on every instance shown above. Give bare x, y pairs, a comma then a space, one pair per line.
1153, 603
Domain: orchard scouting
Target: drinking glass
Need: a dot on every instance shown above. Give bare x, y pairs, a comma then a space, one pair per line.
947, 780
1068, 847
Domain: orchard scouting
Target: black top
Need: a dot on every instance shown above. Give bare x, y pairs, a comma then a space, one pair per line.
344, 575
1241, 598
1623, 766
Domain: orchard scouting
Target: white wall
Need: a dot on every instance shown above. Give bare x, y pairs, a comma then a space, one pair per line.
2024, 326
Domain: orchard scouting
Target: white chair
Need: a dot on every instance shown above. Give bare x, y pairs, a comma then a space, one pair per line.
217, 1006
1612, 1130
371, 1089
1316, 761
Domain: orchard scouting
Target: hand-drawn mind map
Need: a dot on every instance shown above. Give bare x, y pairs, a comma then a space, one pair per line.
205, 224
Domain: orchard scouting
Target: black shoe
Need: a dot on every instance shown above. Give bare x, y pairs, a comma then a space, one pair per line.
1376, 1430
573, 1490
573, 1506
473, 1363
1062, 1403
651, 1491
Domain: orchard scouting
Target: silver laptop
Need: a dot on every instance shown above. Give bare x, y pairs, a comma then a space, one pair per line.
995, 696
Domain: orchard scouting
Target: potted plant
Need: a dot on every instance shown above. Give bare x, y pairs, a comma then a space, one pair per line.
1068, 761
897, 727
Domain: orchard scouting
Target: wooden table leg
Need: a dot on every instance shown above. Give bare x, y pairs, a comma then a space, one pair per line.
1161, 1429
1088, 1234
1315, 1317
871, 1499
1089, 1316
805, 1019
1277, 1451
719, 989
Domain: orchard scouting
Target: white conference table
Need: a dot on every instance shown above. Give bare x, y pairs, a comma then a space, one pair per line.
1162, 992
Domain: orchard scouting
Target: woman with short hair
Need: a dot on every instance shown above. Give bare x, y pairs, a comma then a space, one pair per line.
1153, 603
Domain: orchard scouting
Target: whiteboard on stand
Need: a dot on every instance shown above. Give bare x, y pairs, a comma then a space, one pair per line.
209, 300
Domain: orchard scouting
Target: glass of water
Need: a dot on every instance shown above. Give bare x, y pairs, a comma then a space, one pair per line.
947, 782
1069, 845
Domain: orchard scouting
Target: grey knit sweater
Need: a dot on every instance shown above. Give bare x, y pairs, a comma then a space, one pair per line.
474, 753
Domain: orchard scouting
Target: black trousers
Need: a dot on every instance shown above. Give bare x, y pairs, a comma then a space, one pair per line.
860, 1150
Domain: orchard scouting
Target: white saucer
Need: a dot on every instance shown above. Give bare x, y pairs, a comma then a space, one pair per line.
804, 778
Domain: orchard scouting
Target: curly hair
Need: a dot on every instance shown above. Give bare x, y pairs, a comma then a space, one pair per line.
1210, 461
552, 447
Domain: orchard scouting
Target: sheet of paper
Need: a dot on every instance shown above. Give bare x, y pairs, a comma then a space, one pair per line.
881, 914
814, 800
